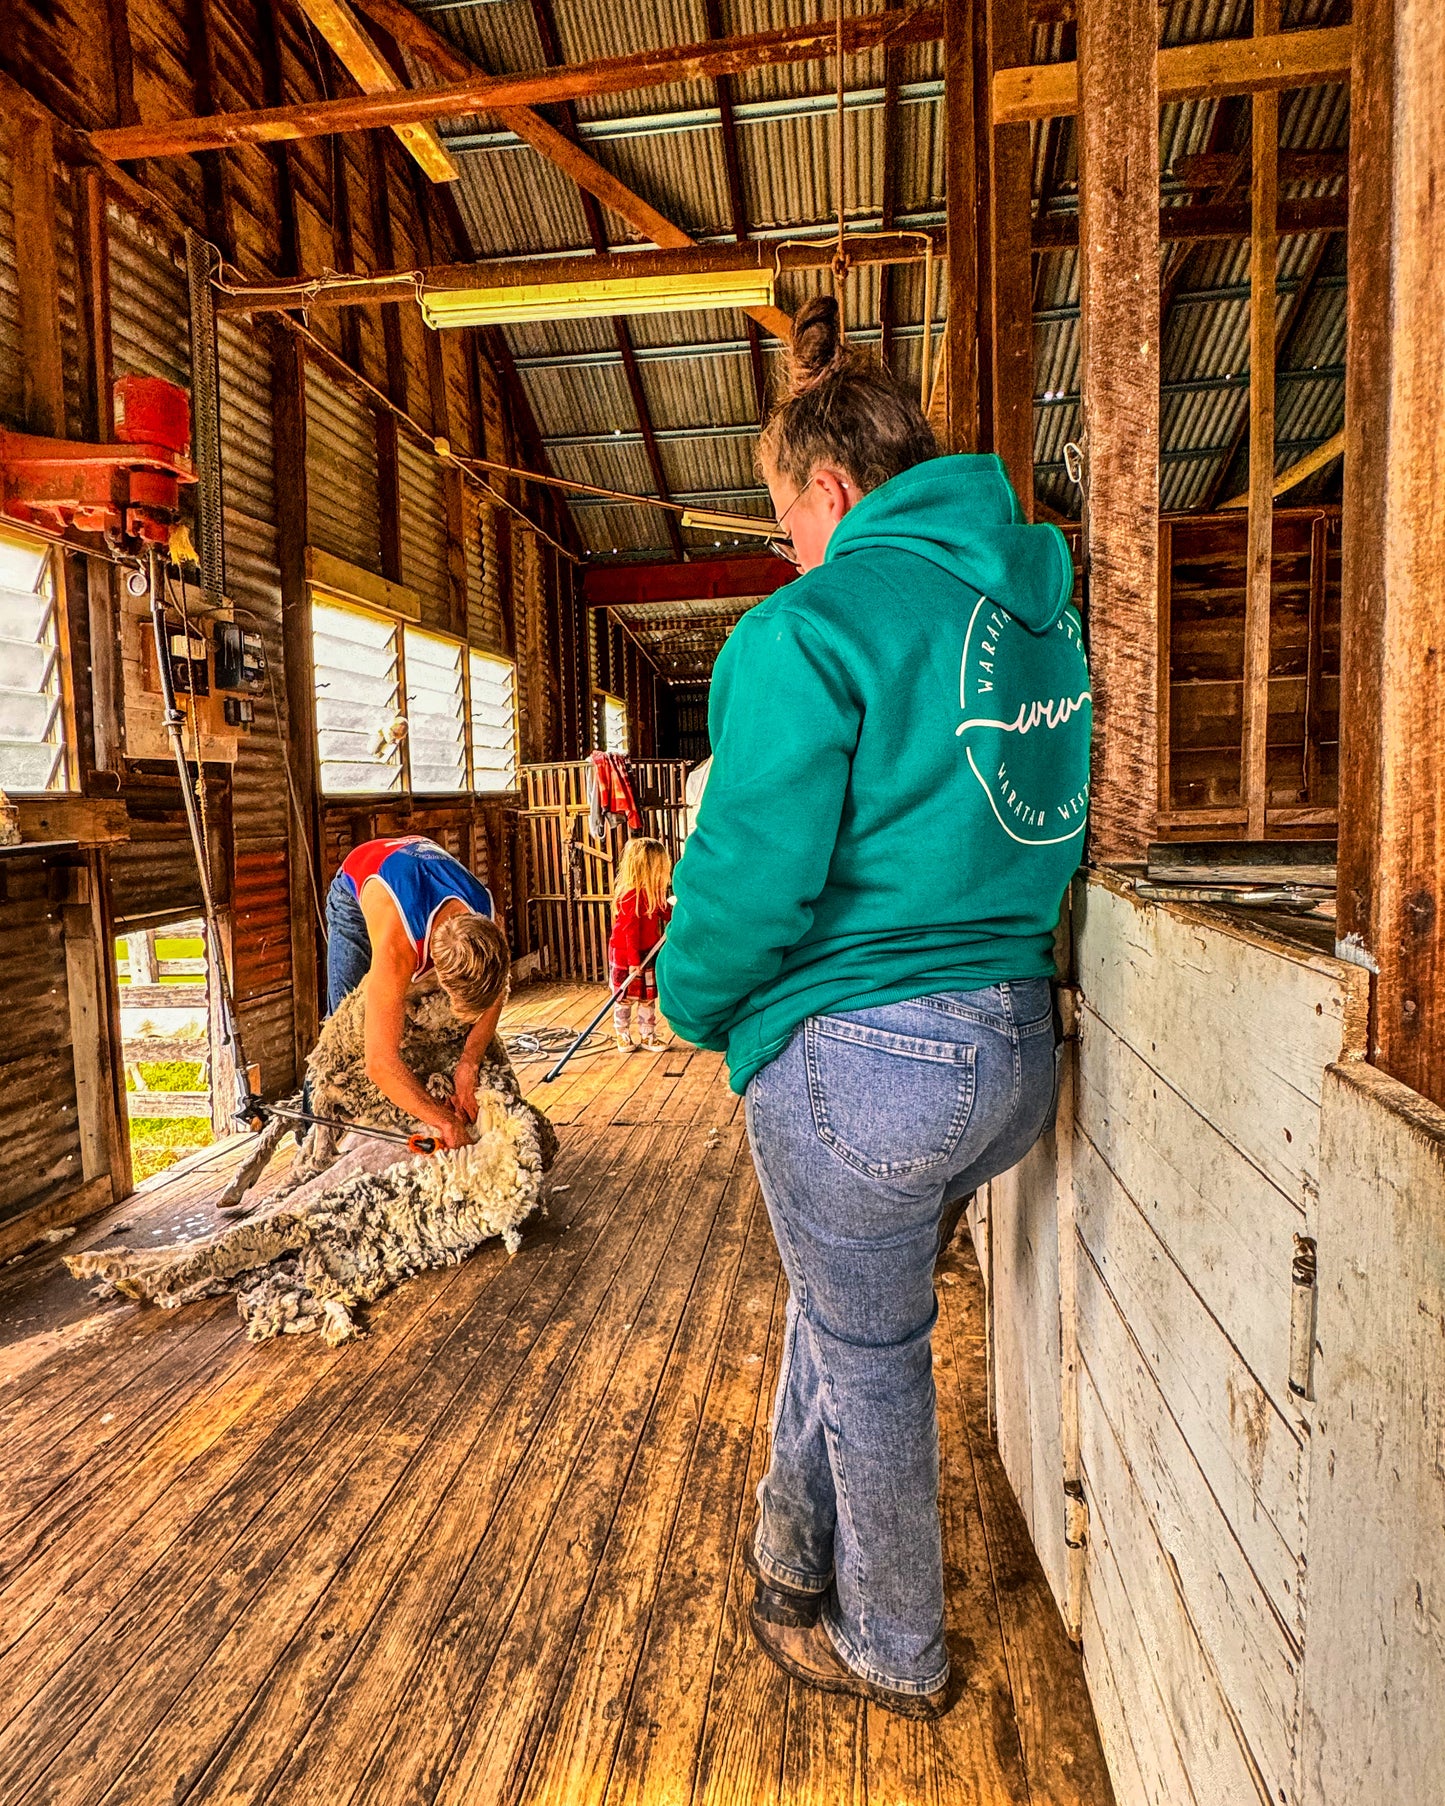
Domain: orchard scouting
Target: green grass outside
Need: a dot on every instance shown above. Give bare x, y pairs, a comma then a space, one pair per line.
156, 1142
168, 1075
170, 947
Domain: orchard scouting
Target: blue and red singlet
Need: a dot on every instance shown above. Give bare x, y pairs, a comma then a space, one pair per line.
419, 877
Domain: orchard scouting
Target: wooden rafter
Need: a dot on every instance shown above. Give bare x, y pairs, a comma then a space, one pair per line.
1267, 64
558, 147
273, 90
1289, 325
366, 66
1213, 168
737, 205
1324, 453
596, 230
1209, 219
201, 60
1231, 166
532, 88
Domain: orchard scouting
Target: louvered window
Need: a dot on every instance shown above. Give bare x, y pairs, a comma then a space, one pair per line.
32, 713
358, 699
494, 723
436, 713
459, 719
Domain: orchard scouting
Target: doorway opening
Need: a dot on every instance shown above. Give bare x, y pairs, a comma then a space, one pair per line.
164, 979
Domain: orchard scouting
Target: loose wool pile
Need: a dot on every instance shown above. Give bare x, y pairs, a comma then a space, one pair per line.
336, 1233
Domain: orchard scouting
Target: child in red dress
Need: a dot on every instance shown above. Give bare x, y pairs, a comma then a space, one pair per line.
639, 898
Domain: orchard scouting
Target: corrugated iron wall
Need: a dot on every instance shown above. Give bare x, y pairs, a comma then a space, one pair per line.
260, 804
422, 518
343, 510
12, 369
39, 1130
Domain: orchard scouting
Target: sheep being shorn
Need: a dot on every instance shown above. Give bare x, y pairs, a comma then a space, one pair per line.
339, 1231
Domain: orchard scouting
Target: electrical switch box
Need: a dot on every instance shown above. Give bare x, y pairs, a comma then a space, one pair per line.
240, 659
190, 668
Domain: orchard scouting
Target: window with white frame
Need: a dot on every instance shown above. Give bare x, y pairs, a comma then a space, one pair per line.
614, 724
436, 713
32, 702
357, 660
401, 709
494, 723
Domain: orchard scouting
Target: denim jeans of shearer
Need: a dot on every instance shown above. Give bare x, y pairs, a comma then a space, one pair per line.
348, 943
863, 1130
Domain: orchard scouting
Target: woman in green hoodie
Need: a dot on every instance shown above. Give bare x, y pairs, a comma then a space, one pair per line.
864, 922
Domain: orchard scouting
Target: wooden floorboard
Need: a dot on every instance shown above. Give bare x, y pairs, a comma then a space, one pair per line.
491, 1551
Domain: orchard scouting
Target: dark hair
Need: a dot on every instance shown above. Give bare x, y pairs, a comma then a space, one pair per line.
842, 409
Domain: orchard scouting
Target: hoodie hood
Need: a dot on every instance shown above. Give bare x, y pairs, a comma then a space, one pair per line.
961, 514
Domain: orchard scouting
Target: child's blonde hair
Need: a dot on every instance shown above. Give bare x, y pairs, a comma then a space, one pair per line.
646, 868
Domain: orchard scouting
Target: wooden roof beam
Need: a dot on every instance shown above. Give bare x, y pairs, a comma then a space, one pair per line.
366, 66
531, 88
737, 206
704, 580
1266, 64
558, 147
592, 213
1208, 219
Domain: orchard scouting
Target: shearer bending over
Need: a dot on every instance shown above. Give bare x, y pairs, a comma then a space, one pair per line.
396, 909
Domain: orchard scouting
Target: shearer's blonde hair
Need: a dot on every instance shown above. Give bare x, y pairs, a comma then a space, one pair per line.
645, 868
472, 961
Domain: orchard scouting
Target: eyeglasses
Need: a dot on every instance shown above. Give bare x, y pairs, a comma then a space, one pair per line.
784, 548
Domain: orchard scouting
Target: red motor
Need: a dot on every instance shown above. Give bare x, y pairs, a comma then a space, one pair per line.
151, 411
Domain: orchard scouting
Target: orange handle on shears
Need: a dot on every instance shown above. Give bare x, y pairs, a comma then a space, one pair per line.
421, 1144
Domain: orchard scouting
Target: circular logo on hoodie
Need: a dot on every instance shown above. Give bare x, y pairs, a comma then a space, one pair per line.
1026, 723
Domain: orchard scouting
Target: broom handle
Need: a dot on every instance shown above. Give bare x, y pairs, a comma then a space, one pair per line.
616, 997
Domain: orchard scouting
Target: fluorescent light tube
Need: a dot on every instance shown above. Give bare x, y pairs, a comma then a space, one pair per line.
749, 524
583, 300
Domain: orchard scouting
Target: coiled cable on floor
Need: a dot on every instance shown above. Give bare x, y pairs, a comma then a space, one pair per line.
526, 1046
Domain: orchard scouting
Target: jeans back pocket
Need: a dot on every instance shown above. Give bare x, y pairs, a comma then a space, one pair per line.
887, 1104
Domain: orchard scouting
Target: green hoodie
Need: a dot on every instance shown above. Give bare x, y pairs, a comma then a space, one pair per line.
900, 772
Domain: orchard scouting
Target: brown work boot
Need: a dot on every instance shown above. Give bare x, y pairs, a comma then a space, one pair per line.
777, 1603
808, 1655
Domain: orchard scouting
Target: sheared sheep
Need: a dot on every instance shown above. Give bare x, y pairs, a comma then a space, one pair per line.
339, 1231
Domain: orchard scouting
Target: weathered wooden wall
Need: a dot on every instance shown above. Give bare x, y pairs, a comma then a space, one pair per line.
1202, 646
1374, 1664
313, 452
1259, 1597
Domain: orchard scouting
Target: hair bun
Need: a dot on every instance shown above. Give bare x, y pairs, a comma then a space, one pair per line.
817, 350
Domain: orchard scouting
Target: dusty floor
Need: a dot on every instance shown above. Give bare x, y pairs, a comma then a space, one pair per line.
490, 1553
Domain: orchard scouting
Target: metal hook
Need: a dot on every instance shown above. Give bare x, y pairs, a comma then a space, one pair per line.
1074, 464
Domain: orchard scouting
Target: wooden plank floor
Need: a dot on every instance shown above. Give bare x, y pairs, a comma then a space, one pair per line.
490, 1553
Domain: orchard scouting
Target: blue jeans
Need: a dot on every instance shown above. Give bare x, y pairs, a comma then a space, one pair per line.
863, 1129
348, 943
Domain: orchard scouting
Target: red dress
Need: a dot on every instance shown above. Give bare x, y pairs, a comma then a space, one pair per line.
635, 932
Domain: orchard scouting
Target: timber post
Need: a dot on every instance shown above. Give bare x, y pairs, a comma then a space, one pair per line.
1392, 682
1119, 295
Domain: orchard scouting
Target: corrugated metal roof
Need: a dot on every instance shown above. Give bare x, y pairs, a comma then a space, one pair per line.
515, 202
